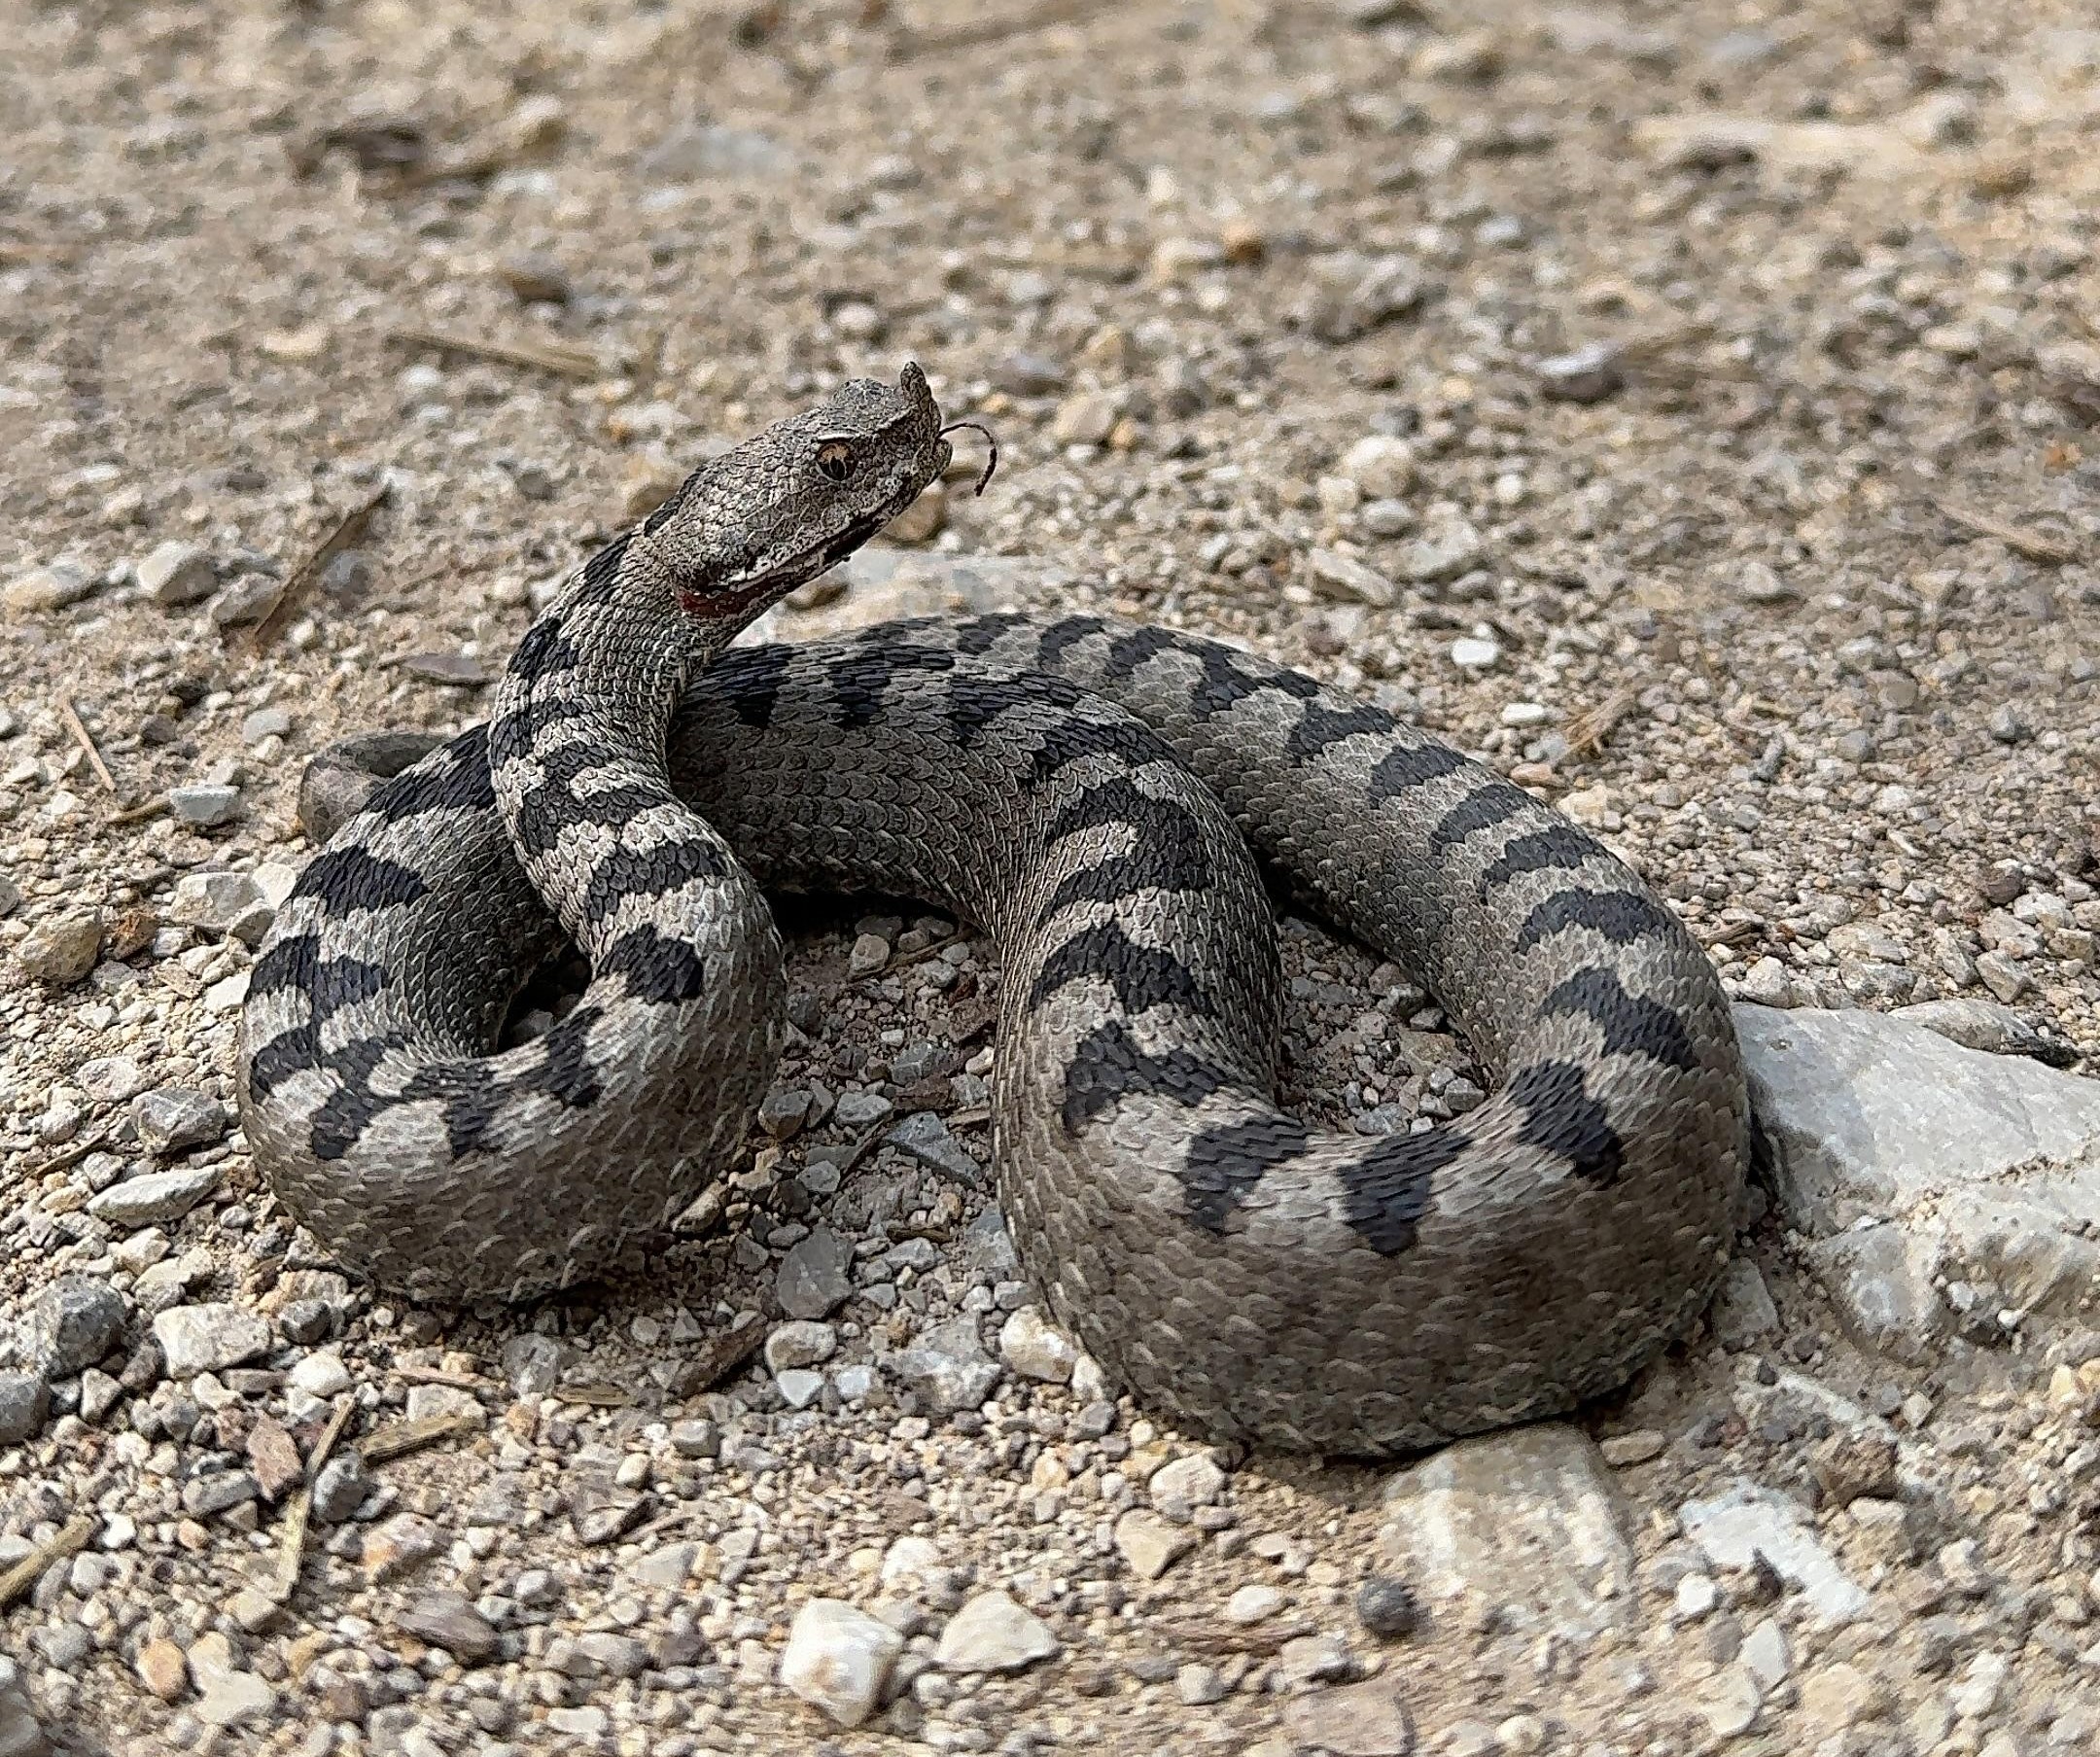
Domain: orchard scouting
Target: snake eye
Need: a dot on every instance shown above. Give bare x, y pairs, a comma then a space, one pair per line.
835, 458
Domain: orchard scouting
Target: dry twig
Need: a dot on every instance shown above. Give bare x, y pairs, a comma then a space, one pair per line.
70, 1537
980, 31
2035, 547
291, 1552
1588, 731
548, 357
348, 533
397, 1439
74, 725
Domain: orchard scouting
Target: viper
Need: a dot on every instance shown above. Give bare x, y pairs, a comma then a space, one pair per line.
1111, 803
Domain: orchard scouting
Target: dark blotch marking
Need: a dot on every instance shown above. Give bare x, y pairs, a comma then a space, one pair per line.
461, 782
1128, 652
1318, 727
1061, 636
349, 1110
1107, 1066
860, 681
545, 652
980, 634
621, 873
1620, 916
553, 803
1388, 1189
749, 681
1225, 1164
1562, 1119
1142, 977
1557, 848
1400, 771
663, 971
1128, 741
1631, 1023
975, 701
566, 1075
1484, 808
289, 1053
344, 880
1168, 848
469, 1095
290, 963
1229, 677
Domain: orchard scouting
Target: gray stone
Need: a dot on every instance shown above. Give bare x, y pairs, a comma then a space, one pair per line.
207, 1337
204, 804
213, 901
1985, 1025
1587, 375
783, 1111
1352, 580
930, 1141
1441, 554
1742, 1308
1150, 1544
172, 1118
1387, 1608
532, 1364
1528, 1520
341, 1489
858, 1109
694, 151
814, 1275
799, 1386
24, 1402
21, 1735
451, 1621
1178, 1488
1370, 1719
98, 1395
1747, 1519
154, 1198
177, 573
994, 1633
218, 1491
1915, 1165
800, 1343
1036, 1348
265, 723
696, 1437
78, 1319
61, 952
1730, 1702
110, 1079
838, 1659
947, 1366
47, 589
869, 952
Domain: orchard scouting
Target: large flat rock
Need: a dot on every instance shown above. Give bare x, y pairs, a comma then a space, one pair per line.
1943, 1191
1527, 1520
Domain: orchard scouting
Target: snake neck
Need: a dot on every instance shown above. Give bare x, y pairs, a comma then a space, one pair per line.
577, 744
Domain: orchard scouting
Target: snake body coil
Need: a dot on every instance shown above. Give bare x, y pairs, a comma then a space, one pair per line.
1095, 795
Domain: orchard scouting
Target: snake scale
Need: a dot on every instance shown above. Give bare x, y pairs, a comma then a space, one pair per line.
1102, 799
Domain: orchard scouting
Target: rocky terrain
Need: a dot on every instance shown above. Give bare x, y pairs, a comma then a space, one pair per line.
1691, 409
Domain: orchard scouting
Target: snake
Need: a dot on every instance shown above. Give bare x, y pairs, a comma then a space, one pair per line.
1119, 807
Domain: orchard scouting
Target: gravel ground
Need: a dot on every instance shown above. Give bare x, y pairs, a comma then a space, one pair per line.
1688, 407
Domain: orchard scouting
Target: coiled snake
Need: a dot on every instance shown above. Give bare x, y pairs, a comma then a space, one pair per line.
1089, 792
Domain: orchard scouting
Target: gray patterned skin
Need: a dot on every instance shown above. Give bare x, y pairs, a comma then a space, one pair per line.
366, 1082
1097, 797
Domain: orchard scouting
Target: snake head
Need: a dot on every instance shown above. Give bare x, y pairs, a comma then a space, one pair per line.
777, 510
